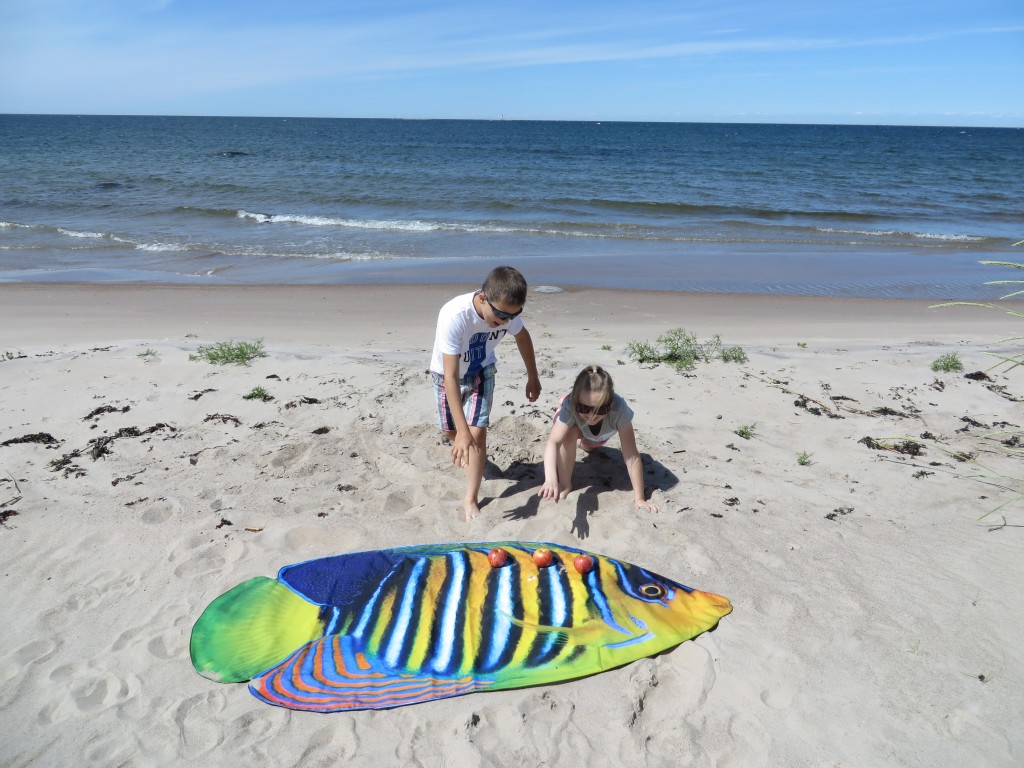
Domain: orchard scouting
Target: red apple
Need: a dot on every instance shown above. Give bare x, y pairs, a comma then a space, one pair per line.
583, 563
543, 558
497, 557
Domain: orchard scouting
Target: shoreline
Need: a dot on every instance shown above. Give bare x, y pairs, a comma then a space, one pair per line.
848, 271
81, 309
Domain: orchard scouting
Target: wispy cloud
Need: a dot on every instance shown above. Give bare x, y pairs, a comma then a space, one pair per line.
142, 52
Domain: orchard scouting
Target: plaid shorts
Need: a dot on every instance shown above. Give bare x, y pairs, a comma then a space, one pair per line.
477, 391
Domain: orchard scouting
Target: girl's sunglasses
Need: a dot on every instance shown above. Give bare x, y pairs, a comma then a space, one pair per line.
506, 316
600, 410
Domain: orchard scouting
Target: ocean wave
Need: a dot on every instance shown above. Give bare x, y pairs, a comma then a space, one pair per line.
74, 233
413, 225
952, 238
161, 247
675, 208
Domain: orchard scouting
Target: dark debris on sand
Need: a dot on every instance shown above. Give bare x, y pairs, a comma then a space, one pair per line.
106, 409
224, 418
905, 447
41, 438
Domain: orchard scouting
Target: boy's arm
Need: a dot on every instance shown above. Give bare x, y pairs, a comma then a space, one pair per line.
463, 442
635, 467
525, 343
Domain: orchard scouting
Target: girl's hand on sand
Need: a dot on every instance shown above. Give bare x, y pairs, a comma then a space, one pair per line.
549, 491
641, 504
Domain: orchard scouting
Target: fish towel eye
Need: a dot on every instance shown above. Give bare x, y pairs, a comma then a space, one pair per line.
652, 590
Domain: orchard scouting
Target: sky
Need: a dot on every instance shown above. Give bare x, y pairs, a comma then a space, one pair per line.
903, 62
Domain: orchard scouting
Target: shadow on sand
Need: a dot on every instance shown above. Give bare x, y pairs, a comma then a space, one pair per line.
596, 473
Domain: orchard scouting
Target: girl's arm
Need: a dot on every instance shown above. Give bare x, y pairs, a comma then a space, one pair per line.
635, 467
550, 489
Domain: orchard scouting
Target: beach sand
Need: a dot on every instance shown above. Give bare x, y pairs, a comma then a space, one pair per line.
877, 614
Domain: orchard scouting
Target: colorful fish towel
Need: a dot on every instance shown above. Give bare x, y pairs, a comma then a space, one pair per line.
380, 629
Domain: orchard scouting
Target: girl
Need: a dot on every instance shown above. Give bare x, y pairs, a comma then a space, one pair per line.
591, 414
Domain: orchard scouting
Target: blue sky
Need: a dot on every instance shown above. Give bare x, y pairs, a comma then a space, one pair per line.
899, 62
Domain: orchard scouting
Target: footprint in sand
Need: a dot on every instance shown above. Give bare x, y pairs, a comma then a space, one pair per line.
750, 742
19, 670
35, 651
86, 687
776, 605
169, 645
967, 728
210, 561
198, 723
783, 690
698, 561
329, 746
159, 512
304, 539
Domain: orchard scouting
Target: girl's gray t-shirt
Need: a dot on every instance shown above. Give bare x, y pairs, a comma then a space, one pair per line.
619, 415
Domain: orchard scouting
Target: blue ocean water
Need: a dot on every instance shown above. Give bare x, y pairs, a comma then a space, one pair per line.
800, 209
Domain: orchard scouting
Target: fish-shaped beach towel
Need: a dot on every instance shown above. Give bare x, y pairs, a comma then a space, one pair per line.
385, 628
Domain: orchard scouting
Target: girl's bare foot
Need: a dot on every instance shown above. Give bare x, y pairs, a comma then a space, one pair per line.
472, 510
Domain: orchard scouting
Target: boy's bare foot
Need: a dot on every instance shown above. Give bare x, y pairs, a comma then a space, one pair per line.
472, 510
563, 493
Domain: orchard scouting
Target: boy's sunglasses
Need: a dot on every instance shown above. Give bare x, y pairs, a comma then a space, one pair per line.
506, 316
601, 410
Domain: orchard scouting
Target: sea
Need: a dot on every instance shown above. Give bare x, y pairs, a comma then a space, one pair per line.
825, 210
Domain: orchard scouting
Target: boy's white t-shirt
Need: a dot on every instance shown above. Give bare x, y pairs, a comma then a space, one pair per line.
461, 331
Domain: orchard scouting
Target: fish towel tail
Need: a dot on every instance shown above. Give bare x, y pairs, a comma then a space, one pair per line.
251, 628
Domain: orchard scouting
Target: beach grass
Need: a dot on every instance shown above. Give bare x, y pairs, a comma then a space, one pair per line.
258, 393
230, 352
681, 350
1013, 360
746, 431
947, 363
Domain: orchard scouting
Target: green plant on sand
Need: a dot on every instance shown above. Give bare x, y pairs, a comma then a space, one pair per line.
747, 431
236, 353
258, 393
947, 363
680, 349
1013, 360
1007, 443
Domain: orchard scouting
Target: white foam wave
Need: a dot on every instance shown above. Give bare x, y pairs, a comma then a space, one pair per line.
898, 233
74, 233
396, 225
161, 247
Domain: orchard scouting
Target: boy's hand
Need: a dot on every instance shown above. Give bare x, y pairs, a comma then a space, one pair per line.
532, 389
461, 447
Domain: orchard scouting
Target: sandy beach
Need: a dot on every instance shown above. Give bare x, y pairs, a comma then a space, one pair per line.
876, 584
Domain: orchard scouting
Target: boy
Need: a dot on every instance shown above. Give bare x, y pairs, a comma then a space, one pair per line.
469, 327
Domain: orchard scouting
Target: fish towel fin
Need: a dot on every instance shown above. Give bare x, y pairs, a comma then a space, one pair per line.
251, 628
329, 675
